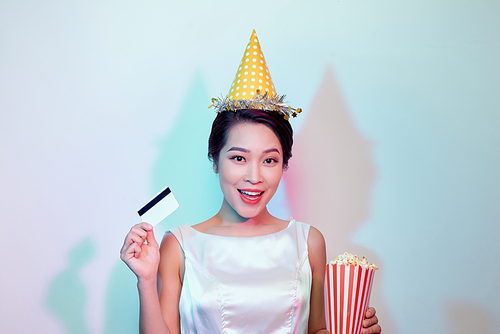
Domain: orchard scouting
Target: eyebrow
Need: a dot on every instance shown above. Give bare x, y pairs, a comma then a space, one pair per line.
272, 150
241, 149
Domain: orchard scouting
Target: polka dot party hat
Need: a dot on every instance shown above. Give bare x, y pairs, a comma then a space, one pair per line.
252, 74
252, 87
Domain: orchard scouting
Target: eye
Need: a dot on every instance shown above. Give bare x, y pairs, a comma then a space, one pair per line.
270, 161
237, 158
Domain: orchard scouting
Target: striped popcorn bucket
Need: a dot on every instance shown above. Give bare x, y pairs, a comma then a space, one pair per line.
349, 288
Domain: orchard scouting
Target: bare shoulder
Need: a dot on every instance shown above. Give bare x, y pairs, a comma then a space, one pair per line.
315, 238
317, 248
170, 252
169, 243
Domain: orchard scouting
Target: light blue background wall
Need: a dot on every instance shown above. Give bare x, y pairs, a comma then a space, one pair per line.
102, 103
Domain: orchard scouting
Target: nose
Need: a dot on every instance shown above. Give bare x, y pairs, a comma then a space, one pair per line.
253, 174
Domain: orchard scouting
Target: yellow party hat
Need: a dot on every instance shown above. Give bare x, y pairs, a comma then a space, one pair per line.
252, 74
252, 87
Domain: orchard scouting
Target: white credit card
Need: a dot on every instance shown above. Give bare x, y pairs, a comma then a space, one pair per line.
159, 207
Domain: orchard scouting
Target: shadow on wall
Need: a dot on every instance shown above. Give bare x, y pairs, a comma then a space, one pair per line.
331, 178
122, 301
183, 165
464, 318
66, 297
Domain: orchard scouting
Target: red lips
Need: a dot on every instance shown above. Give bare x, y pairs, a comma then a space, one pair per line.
250, 196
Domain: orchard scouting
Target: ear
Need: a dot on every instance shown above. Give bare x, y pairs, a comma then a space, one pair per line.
216, 169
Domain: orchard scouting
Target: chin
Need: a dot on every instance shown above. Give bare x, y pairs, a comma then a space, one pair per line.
249, 213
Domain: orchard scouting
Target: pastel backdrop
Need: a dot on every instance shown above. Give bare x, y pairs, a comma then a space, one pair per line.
397, 154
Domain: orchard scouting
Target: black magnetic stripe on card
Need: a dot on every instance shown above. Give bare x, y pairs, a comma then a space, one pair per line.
154, 201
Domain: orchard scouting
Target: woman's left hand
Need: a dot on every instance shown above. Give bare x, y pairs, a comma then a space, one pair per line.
370, 324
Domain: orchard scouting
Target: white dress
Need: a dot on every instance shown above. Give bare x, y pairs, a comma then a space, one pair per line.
256, 284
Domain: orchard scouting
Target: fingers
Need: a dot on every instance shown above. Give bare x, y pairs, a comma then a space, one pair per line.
132, 251
371, 330
137, 235
370, 324
370, 312
151, 238
370, 321
138, 232
146, 226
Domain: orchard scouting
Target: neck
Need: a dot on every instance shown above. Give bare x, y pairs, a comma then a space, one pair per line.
228, 216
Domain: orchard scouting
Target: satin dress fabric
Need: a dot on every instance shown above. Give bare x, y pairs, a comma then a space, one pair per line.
258, 284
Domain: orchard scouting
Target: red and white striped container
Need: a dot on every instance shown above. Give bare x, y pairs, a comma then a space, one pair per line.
349, 288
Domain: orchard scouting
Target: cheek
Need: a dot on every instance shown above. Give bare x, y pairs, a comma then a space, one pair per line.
278, 178
274, 178
229, 174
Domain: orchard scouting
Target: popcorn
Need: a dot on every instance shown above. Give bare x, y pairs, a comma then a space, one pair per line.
350, 259
349, 284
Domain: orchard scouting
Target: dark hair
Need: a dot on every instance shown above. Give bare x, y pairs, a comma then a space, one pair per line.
225, 120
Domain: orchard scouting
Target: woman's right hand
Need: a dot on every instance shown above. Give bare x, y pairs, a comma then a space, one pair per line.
142, 258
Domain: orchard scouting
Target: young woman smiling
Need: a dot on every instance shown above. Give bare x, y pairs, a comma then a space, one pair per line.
243, 270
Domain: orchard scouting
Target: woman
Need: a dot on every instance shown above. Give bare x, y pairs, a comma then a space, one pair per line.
243, 270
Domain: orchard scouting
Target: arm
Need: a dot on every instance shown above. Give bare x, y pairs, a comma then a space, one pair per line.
143, 259
170, 273
317, 260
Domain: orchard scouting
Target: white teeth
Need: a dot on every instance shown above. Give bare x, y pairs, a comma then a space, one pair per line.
250, 193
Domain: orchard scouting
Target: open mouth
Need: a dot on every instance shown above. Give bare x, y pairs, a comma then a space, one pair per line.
251, 195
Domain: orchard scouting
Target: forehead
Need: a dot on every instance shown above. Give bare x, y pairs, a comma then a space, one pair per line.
254, 136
